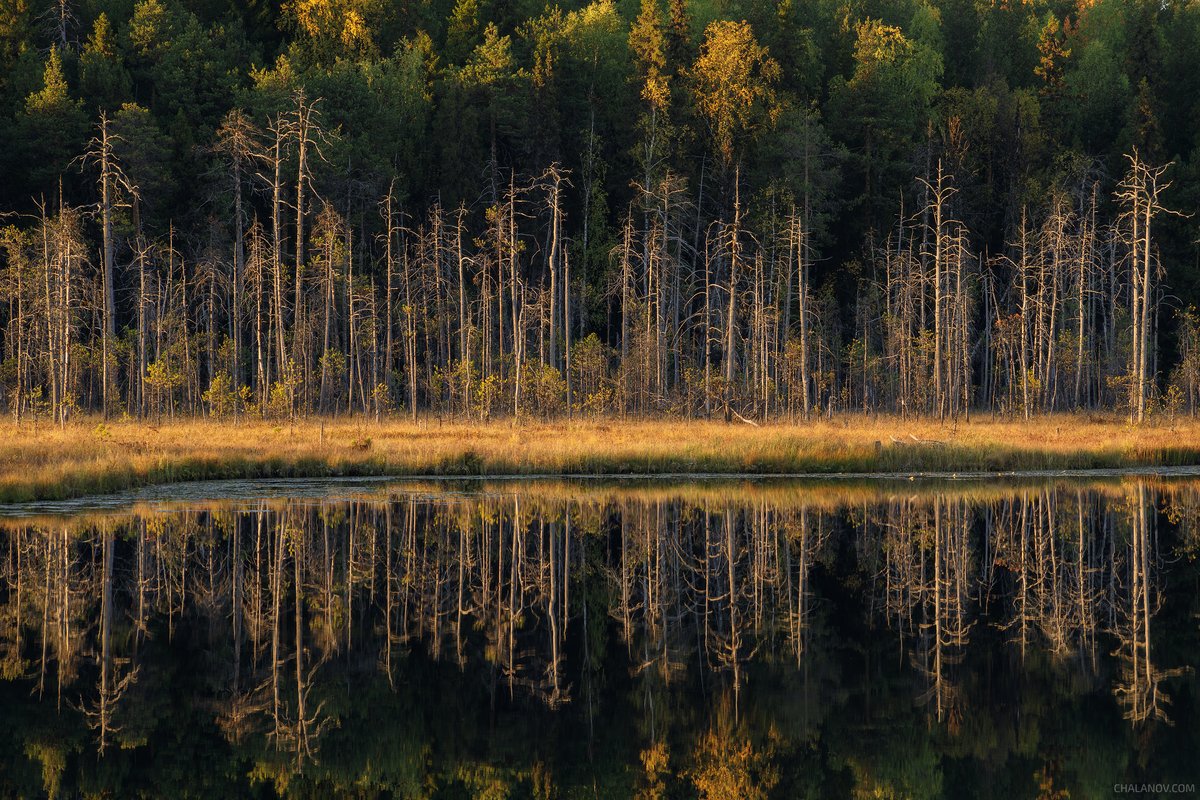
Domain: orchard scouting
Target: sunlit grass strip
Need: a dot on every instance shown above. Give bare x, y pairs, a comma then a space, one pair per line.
93, 458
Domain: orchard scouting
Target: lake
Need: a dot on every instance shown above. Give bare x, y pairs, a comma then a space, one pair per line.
721, 638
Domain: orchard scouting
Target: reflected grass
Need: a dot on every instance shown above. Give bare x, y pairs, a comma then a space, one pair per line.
91, 457
555, 499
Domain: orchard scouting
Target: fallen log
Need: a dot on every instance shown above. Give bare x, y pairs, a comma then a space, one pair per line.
743, 419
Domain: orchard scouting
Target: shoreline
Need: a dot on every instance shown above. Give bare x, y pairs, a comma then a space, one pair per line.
323, 487
91, 457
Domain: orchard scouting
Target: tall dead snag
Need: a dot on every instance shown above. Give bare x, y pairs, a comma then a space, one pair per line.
1138, 194
112, 181
1085, 268
555, 180
387, 211
237, 140
940, 193
303, 127
517, 288
735, 260
946, 240
799, 249
274, 178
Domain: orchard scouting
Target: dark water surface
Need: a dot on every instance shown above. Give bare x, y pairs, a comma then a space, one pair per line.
561, 639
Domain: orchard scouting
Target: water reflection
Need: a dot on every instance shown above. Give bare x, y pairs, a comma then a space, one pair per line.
559, 639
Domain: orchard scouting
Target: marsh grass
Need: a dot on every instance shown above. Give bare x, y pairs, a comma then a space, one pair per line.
89, 457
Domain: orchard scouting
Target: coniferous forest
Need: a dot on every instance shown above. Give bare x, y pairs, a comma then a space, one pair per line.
485, 208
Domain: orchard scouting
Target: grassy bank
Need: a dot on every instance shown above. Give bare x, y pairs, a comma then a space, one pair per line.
90, 457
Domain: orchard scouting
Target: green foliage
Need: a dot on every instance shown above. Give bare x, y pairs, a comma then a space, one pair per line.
433, 92
103, 77
734, 84
164, 377
883, 107
143, 151
281, 402
836, 108
50, 129
221, 397
334, 29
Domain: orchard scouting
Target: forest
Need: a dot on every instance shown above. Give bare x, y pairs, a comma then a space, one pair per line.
729, 209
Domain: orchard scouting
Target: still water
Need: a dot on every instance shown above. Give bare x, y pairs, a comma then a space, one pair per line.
559, 639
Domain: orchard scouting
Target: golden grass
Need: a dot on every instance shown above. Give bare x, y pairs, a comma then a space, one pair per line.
92, 457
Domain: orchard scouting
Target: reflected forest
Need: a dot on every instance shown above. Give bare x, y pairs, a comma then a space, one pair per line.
722, 639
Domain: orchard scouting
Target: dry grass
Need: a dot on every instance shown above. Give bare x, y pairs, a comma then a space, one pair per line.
90, 457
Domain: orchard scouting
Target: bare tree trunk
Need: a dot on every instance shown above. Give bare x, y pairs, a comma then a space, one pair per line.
731, 315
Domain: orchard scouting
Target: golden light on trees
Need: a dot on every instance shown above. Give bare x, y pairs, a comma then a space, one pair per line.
734, 82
